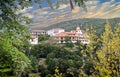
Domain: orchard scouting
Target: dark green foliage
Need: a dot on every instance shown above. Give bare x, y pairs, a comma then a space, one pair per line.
12, 37
55, 56
11, 59
34, 62
42, 50
72, 72
64, 61
44, 71
68, 42
43, 38
88, 68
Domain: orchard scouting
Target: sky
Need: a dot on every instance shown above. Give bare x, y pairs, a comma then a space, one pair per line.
100, 1
45, 4
95, 9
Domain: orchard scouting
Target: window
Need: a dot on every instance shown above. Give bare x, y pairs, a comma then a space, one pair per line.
62, 38
73, 38
61, 41
56, 31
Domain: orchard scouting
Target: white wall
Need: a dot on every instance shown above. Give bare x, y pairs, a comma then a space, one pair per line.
53, 32
34, 41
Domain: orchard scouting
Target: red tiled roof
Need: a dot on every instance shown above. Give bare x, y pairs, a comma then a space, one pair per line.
38, 31
64, 34
70, 33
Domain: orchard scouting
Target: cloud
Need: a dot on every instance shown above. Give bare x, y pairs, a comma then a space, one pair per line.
63, 6
40, 12
117, 7
93, 2
46, 16
76, 9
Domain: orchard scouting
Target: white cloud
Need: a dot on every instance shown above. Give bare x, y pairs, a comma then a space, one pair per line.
92, 2
63, 6
76, 9
40, 12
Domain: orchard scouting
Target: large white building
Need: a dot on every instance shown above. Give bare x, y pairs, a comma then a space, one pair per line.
74, 36
59, 35
55, 31
38, 32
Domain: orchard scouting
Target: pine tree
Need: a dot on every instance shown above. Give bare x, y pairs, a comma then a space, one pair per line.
108, 55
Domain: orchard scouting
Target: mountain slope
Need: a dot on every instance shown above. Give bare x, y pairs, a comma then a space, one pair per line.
98, 24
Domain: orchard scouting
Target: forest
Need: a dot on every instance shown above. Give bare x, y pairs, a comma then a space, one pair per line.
97, 23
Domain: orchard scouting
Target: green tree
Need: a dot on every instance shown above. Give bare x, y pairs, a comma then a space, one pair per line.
88, 52
65, 60
101, 56
12, 37
68, 42
43, 38
11, 58
109, 61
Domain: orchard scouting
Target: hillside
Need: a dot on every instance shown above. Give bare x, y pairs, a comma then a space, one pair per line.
98, 24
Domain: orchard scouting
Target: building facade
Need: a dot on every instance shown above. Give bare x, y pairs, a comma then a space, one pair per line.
33, 40
55, 31
73, 35
38, 32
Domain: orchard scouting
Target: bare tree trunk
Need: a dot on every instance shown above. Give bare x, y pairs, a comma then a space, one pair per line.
71, 5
